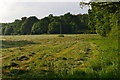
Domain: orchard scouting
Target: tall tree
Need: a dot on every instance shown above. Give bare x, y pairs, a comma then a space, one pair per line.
101, 17
54, 28
27, 25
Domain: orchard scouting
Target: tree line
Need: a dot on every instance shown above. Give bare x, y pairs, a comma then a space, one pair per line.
104, 18
64, 24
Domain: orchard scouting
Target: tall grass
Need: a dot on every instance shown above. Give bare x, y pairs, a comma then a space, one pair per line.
105, 63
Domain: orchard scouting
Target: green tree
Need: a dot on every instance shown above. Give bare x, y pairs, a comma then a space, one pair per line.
27, 25
41, 27
69, 24
8, 30
101, 17
54, 28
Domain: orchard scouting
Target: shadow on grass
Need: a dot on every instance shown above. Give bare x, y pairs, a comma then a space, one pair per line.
10, 44
22, 74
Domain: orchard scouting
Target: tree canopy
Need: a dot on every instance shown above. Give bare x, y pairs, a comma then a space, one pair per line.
68, 22
103, 17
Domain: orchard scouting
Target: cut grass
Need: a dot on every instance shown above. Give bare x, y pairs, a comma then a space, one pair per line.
72, 56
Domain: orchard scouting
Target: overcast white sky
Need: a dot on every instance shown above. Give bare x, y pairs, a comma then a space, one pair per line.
15, 9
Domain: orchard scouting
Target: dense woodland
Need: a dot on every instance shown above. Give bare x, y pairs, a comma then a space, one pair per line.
64, 24
104, 18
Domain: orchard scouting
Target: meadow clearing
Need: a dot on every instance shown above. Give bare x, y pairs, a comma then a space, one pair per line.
50, 56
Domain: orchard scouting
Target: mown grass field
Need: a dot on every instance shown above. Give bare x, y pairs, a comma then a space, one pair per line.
49, 56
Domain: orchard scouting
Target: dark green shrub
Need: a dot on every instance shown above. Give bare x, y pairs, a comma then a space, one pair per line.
61, 35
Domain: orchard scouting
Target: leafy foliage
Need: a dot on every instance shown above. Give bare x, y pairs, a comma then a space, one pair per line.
103, 17
54, 27
27, 25
69, 24
8, 30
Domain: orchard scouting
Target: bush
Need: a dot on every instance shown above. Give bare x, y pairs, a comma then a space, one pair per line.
61, 35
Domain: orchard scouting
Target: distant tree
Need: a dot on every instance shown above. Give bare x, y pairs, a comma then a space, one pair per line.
16, 20
27, 25
68, 24
67, 17
0, 29
17, 26
8, 30
54, 28
50, 15
74, 27
24, 18
41, 27
38, 28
